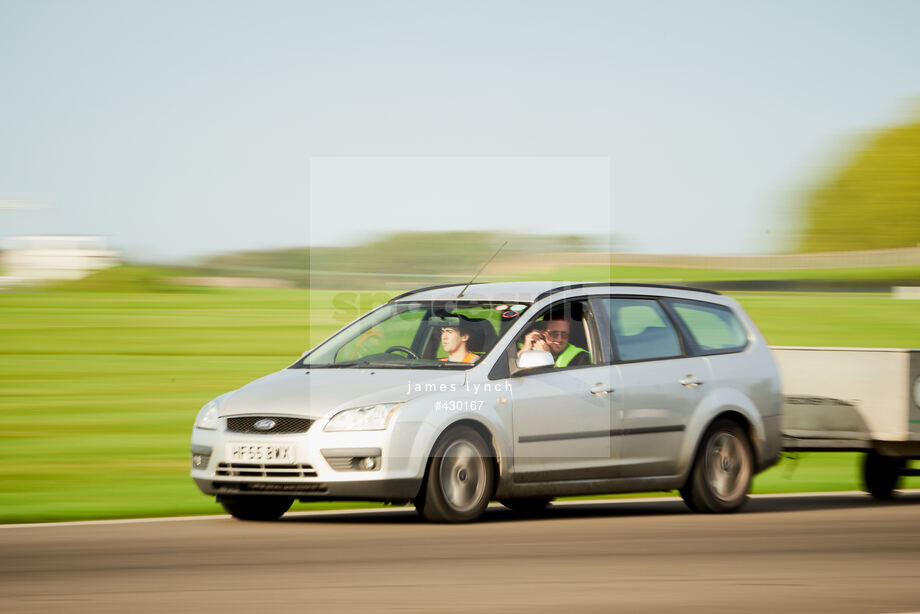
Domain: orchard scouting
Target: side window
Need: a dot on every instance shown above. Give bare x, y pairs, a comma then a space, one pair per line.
713, 327
565, 331
641, 329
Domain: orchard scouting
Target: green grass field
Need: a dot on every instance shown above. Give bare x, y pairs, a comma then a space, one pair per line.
98, 390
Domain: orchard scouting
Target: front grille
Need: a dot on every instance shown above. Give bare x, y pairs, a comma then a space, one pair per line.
250, 470
316, 488
283, 424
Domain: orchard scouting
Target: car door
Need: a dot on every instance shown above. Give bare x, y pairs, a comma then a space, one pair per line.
562, 415
660, 385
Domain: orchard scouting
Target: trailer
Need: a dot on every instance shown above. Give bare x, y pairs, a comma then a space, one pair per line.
854, 400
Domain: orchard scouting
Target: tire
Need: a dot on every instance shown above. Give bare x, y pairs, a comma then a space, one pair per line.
527, 506
721, 475
460, 478
882, 475
256, 507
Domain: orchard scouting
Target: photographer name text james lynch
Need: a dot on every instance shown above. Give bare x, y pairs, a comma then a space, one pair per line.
474, 387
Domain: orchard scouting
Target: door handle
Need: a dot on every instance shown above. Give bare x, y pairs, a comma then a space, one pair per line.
691, 382
600, 389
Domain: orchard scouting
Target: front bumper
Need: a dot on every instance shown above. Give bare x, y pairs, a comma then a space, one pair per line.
326, 466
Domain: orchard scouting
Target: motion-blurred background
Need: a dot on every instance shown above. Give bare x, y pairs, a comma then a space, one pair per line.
193, 193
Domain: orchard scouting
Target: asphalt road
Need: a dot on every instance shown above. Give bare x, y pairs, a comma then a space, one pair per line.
791, 554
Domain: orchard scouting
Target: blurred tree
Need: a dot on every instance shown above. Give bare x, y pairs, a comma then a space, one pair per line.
418, 257
873, 201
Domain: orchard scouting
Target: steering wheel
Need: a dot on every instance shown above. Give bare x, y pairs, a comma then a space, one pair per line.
402, 348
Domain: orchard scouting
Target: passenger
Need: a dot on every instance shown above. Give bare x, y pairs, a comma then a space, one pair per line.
454, 339
552, 335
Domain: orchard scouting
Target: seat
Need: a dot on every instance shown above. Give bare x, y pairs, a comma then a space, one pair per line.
577, 334
482, 335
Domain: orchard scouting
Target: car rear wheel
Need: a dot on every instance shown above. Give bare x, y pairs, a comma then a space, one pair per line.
882, 474
256, 507
721, 474
459, 482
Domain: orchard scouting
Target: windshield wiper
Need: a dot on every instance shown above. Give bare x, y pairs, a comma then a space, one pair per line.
331, 365
346, 364
355, 364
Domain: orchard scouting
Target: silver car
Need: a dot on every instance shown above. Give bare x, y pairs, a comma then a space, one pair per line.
450, 397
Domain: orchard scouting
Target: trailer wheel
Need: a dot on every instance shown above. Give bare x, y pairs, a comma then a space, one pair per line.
882, 474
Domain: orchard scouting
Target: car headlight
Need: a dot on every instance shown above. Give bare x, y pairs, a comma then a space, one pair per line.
207, 417
368, 418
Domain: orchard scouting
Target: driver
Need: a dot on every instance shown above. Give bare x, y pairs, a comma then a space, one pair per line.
454, 339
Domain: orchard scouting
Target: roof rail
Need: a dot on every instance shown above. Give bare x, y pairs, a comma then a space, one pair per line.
437, 287
596, 284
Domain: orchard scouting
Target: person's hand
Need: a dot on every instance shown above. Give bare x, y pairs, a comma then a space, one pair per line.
535, 340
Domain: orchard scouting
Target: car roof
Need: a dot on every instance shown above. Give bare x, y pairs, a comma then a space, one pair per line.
532, 291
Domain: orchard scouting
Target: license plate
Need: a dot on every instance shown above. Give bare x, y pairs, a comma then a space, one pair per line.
260, 453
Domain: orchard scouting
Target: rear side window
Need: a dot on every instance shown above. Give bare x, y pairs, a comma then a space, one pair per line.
641, 330
714, 328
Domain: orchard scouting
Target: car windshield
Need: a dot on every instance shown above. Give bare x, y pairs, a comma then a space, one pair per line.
417, 335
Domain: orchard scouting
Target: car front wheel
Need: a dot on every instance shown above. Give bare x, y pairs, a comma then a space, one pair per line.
460, 477
256, 507
721, 474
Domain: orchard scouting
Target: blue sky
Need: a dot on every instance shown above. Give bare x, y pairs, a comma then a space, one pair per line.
183, 128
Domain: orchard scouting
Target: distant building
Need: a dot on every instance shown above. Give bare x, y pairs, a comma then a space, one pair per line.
54, 257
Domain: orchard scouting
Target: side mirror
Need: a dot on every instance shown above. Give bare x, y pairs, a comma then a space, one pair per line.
534, 359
